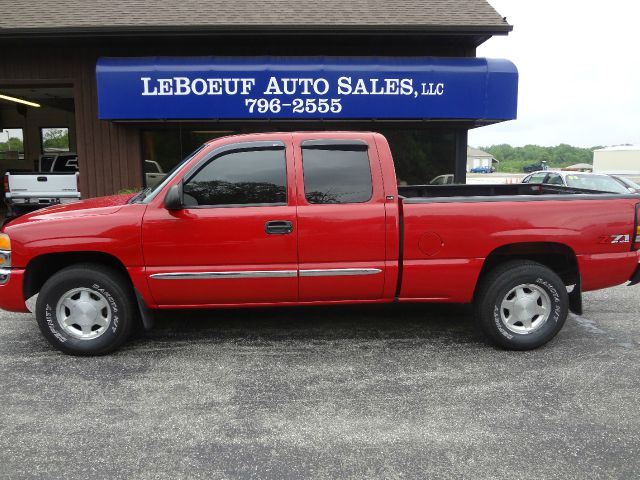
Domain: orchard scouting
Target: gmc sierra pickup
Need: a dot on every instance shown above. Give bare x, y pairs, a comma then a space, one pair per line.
314, 218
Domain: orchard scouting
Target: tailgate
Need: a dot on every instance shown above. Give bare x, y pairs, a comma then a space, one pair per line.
30, 185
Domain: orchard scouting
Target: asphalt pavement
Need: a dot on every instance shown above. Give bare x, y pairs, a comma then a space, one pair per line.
351, 392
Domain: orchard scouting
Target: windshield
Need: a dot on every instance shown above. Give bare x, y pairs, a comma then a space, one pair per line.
149, 193
629, 183
602, 183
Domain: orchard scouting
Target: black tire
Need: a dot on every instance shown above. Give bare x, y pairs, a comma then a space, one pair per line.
503, 284
100, 285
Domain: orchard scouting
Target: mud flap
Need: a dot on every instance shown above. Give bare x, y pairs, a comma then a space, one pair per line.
635, 278
575, 297
146, 314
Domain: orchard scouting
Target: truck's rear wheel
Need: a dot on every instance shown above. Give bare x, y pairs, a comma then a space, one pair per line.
86, 310
521, 305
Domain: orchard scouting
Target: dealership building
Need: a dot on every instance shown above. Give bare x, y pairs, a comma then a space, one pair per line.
133, 86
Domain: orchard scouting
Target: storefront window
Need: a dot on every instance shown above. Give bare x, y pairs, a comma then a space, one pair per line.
166, 147
11, 144
421, 155
54, 139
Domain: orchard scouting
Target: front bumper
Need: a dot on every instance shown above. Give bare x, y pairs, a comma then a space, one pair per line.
5, 275
11, 290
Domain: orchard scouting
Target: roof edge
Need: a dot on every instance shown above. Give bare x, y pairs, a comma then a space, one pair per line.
232, 30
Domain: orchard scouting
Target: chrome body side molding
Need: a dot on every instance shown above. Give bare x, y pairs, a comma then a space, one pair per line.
219, 275
319, 272
338, 272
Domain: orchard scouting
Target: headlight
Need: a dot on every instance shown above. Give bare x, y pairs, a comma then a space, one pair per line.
5, 243
5, 251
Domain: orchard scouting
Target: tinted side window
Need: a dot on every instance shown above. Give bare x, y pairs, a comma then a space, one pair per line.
240, 178
46, 161
537, 178
554, 179
66, 164
336, 175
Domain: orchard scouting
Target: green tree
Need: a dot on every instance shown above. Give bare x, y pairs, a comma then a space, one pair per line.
57, 138
14, 144
513, 159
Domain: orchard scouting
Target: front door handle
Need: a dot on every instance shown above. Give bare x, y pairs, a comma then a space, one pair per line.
278, 227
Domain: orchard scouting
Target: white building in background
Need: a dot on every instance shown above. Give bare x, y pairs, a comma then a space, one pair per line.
479, 158
621, 159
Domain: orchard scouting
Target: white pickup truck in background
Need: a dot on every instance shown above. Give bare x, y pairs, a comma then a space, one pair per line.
56, 182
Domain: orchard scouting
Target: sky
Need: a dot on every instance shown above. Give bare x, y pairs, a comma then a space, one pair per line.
579, 68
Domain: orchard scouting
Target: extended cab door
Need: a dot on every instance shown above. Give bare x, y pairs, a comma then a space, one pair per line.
341, 217
235, 240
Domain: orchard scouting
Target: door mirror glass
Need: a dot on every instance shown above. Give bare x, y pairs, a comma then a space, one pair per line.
173, 199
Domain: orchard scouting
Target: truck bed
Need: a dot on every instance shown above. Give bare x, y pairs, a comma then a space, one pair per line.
452, 193
449, 231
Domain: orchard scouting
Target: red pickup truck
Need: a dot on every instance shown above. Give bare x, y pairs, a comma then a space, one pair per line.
314, 218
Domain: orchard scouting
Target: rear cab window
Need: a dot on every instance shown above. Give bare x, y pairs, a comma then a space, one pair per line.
336, 172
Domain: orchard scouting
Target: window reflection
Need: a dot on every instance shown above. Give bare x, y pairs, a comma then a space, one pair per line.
240, 178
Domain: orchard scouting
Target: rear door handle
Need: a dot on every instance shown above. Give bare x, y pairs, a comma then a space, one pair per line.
278, 227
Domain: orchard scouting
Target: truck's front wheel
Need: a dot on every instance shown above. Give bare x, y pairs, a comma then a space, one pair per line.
86, 310
521, 305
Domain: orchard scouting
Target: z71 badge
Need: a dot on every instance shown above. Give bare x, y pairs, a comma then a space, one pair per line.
615, 239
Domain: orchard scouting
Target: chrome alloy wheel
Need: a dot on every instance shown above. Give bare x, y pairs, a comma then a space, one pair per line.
83, 313
525, 308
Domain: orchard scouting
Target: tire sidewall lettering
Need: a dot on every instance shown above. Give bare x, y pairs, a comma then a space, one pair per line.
499, 325
52, 323
555, 297
112, 302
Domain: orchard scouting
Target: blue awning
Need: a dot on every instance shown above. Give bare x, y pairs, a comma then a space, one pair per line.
151, 88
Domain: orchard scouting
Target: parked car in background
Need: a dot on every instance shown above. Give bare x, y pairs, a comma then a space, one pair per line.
588, 181
534, 167
55, 182
442, 180
58, 162
483, 169
153, 173
632, 186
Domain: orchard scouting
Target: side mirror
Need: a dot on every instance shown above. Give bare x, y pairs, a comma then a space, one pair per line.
173, 199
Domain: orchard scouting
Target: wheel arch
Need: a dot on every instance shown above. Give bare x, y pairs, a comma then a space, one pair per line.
41, 268
558, 257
